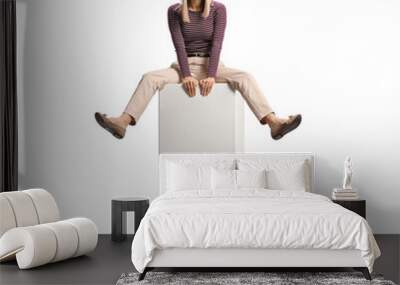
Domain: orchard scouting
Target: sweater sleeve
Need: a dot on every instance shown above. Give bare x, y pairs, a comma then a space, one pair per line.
179, 42
218, 38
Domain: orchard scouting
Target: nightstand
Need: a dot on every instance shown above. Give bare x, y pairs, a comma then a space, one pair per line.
357, 206
119, 207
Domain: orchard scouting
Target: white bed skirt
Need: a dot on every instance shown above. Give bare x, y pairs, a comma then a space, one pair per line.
180, 257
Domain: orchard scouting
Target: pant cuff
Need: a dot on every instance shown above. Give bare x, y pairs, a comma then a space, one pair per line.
134, 118
263, 120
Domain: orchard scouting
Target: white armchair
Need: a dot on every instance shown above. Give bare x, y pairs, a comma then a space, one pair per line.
31, 230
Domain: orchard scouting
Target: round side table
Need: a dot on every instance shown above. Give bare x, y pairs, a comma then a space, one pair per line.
119, 207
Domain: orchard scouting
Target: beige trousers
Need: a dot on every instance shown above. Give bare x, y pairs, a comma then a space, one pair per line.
239, 80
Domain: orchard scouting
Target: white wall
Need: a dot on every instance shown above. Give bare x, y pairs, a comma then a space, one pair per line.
337, 62
77, 57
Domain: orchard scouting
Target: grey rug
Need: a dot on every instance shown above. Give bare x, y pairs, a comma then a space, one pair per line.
269, 278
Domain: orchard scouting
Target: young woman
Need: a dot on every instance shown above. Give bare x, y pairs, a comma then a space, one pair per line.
197, 28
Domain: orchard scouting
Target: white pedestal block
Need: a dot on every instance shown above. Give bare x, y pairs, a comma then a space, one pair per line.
200, 124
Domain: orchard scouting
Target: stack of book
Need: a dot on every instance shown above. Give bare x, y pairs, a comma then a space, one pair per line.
344, 194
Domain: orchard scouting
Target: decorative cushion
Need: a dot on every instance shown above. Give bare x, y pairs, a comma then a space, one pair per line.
187, 177
283, 174
292, 178
228, 179
251, 178
223, 179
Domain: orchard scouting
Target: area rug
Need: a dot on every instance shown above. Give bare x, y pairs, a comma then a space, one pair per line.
253, 278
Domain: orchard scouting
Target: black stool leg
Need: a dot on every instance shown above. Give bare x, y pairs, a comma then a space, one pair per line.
118, 222
364, 271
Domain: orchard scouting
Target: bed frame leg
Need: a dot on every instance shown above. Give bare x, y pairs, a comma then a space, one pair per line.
364, 271
143, 274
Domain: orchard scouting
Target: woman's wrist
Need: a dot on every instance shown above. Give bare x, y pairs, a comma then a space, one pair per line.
188, 78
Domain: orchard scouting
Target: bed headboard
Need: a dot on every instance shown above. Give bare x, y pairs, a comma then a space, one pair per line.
213, 157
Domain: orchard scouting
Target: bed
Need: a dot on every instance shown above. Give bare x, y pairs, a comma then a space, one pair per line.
247, 211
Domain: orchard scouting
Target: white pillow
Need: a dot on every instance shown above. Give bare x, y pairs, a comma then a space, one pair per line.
293, 179
186, 177
251, 178
223, 179
282, 174
237, 179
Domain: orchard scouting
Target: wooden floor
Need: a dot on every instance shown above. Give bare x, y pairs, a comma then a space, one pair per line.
103, 266
110, 260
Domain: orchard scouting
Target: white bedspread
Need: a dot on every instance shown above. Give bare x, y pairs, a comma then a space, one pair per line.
250, 218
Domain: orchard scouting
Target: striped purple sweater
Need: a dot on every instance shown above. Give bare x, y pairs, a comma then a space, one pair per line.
201, 35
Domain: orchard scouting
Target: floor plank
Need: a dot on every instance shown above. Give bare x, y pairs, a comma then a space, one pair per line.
103, 266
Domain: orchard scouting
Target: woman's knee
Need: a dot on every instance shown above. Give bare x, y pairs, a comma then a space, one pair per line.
156, 78
153, 80
244, 75
149, 76
243, 78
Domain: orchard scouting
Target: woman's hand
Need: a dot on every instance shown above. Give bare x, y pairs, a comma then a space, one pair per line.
206, 86
190, 83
